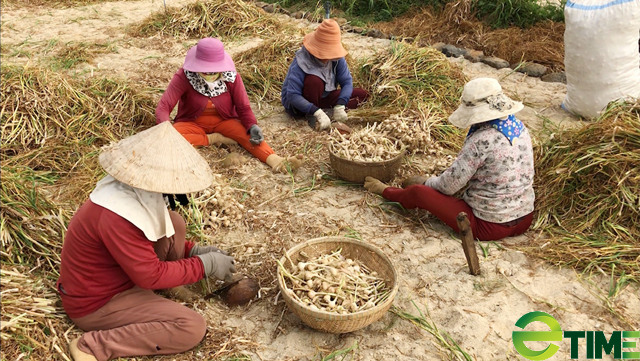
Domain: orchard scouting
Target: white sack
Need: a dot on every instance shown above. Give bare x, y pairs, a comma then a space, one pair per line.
601, 57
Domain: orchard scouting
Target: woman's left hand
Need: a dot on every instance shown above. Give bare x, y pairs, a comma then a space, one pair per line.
256, 134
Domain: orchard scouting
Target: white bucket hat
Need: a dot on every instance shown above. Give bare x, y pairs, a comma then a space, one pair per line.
483, 100
159, 160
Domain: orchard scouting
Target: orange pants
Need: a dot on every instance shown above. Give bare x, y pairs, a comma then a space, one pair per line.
211, 122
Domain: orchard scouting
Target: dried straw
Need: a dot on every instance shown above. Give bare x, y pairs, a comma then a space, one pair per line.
47, 114
264, 68
457, 24
588, 194
225, 19
32, 325
419, 83
33, 226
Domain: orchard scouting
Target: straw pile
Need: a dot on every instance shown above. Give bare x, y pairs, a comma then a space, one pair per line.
33, 225
264, 67
588, 194
224, 19
47, 114
29, 314
416, 83
457, 24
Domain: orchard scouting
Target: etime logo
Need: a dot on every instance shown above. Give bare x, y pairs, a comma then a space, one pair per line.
596, 342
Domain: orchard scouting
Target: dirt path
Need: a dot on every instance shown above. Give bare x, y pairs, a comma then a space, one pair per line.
478, 312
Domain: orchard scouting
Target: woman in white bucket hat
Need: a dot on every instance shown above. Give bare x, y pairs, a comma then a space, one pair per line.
496, 162
123, 243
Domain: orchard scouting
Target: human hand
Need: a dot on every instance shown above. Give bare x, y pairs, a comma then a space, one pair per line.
322, 120
197, 249
339, 113
256, 134
218, 265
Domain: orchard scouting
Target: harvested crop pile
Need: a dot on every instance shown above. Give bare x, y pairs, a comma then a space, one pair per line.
219, 204
457, 24
588, 194
410, 77
45, 114
364, 145
29, 315
416, 83
33, 225
413, 132
264, 68
334, 283
218, 18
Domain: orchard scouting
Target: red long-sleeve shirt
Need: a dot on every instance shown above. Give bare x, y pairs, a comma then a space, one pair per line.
104, 254
234, 103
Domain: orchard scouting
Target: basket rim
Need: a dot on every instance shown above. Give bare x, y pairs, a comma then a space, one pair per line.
402, 153
338, 316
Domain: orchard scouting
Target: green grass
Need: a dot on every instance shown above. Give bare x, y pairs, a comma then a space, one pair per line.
520, 13
497, 13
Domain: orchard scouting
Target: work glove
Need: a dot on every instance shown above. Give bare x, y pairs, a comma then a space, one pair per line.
322, 120
218, 265
256, 134
197, 249
339, 113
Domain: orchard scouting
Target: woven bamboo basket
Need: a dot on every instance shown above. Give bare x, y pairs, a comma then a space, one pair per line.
366, 254
355, 171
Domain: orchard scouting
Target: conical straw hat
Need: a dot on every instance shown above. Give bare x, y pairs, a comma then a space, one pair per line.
158, 159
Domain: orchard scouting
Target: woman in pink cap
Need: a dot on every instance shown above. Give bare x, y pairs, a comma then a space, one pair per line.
213, 106
314, 76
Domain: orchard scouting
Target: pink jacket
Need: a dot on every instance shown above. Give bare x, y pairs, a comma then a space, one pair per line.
232, 104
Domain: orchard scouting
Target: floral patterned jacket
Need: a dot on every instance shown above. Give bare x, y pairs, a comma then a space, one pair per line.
499, 174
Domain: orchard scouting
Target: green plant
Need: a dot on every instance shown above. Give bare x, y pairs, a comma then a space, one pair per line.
520, 13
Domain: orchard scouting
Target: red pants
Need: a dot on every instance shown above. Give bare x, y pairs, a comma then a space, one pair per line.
211, 122
313, 90
446, 208
138, 322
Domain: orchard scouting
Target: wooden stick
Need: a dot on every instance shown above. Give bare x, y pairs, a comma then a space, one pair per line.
468, 244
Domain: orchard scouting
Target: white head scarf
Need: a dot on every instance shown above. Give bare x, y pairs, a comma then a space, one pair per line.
146, 210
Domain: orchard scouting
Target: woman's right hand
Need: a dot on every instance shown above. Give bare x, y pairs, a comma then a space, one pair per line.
322, 120
218, 265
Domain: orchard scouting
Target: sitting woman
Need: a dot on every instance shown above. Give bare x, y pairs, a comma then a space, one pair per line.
496, 161
124, 242
213, 106
312, 81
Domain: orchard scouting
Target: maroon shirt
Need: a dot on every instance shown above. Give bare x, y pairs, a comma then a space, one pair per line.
104, 254
234, 103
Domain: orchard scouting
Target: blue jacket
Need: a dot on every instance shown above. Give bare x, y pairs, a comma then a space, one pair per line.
291, 94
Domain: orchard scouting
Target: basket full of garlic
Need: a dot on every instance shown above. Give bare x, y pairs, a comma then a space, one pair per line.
337, 284
363, 153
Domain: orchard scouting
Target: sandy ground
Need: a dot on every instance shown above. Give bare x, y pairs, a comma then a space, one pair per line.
479, 312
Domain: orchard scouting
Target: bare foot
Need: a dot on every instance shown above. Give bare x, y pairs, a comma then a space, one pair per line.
283, 165
374, 186
413, 180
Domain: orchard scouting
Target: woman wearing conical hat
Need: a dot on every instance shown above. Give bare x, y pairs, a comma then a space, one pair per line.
123, 243
496, 162
213, 106
319, 81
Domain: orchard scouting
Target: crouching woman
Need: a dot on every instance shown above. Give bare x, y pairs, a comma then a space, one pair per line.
496, 161
123, 243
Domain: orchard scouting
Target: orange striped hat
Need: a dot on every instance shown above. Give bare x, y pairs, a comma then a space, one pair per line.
324, 42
